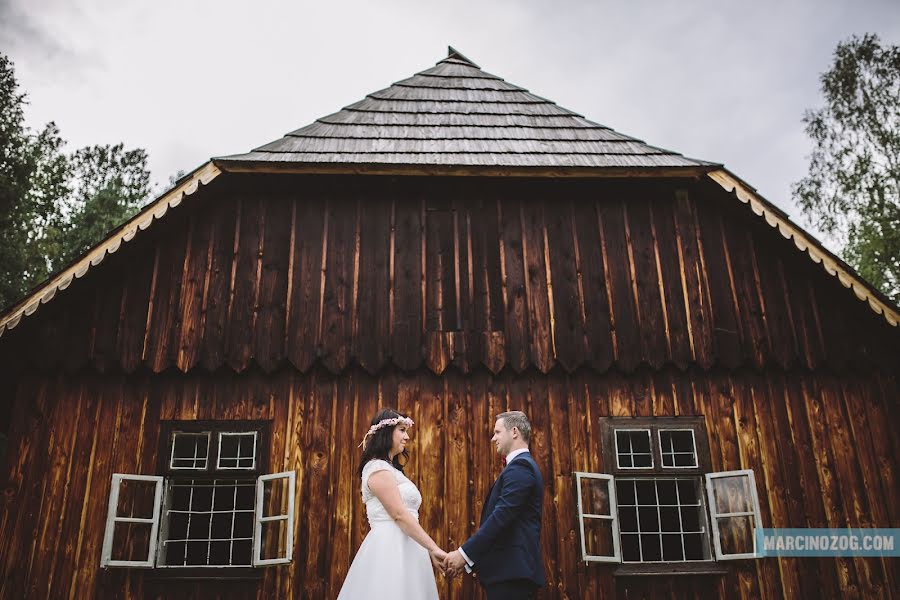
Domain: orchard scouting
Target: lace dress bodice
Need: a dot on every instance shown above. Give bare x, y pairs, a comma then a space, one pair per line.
409, 493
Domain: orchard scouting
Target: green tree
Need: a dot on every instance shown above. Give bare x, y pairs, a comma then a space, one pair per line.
33, 179
54, 206
852, 190
108, 186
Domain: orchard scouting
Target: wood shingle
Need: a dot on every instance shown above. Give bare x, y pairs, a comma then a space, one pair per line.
456, 114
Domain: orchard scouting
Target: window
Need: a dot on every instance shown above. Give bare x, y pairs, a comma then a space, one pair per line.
661, 504
210, 507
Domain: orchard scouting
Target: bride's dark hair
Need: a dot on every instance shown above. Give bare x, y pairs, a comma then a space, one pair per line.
378, 445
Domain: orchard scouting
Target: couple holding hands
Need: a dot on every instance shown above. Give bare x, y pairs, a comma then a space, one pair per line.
396, 557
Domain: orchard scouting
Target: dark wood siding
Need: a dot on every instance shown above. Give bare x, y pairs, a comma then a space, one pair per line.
376, 271
312, 301
822, 448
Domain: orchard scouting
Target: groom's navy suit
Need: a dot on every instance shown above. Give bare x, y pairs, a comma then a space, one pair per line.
507, 546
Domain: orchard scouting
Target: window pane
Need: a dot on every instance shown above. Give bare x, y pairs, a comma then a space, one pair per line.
666, 489
736, 535
677, 448
598, 537
662, 527
136, 499
628, 519
631, 549
237, 450
275, 497
273, 537
672, 550
189, 450
204, 527
595, 496
633, 449
651, 549
732, 494
131, 541
625, 492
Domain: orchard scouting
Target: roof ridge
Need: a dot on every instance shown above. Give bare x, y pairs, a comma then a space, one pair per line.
453, 53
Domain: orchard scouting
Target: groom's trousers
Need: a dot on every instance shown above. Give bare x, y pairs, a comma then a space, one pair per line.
517, 589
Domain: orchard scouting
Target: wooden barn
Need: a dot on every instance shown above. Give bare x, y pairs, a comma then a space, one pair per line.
182, 405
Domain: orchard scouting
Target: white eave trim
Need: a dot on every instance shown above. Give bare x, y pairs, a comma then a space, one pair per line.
833, 265
125, 233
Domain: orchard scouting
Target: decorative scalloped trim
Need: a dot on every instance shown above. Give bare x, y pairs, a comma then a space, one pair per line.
833, 265
154, 211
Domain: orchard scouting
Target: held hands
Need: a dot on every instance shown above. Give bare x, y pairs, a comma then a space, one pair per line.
454, 564
437, 559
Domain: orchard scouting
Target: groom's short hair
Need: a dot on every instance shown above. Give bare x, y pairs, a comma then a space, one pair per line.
517, 419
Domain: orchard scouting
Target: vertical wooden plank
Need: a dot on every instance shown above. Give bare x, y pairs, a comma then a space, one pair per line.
195, 278
24, 484
77, 338
537, 288
243, 308
489, 284
598, 327
62, 424
672, 290
310, 244
513, 273
336, 311
431, 458
834, 514
782, 342
341, 513
782, 481
850, 482
295, 455
316, 446
163, 323
726, 326
693, 281
104, 354
558, 404
93, 510
406, 340
623, 309
651, 315
218, 282
133, 316
761, 575
268, 334
373, 328
458, 473
751, 309
568, 302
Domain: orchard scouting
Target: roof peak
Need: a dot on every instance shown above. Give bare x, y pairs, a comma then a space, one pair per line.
454, 54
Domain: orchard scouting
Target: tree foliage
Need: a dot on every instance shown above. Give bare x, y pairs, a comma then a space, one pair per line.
54, 206
852, 189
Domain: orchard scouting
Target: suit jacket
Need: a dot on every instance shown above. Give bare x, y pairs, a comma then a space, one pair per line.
507, 546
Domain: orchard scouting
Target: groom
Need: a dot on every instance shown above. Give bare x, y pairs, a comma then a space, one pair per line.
505, 552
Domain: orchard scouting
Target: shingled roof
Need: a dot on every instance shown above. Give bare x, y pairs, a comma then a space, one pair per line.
455, 114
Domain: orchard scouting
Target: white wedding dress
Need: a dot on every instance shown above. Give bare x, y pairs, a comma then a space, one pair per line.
389, 565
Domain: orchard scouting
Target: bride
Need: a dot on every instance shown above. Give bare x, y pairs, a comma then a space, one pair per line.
396, 542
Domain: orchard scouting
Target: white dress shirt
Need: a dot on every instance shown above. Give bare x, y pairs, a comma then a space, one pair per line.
509, 458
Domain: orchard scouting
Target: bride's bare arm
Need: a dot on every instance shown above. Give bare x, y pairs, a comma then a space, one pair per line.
384, 486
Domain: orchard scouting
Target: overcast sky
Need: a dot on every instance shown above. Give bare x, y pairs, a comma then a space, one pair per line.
188, 80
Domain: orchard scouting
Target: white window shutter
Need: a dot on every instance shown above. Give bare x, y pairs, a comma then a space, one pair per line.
734, 512
598, 517
114, 519
281, 519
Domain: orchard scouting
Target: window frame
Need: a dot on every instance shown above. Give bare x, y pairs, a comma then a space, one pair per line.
112, 518
649, 443
212, 472
612, 517
699, 473
715, 515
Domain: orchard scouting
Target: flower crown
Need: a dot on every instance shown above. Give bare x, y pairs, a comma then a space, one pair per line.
386, 423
